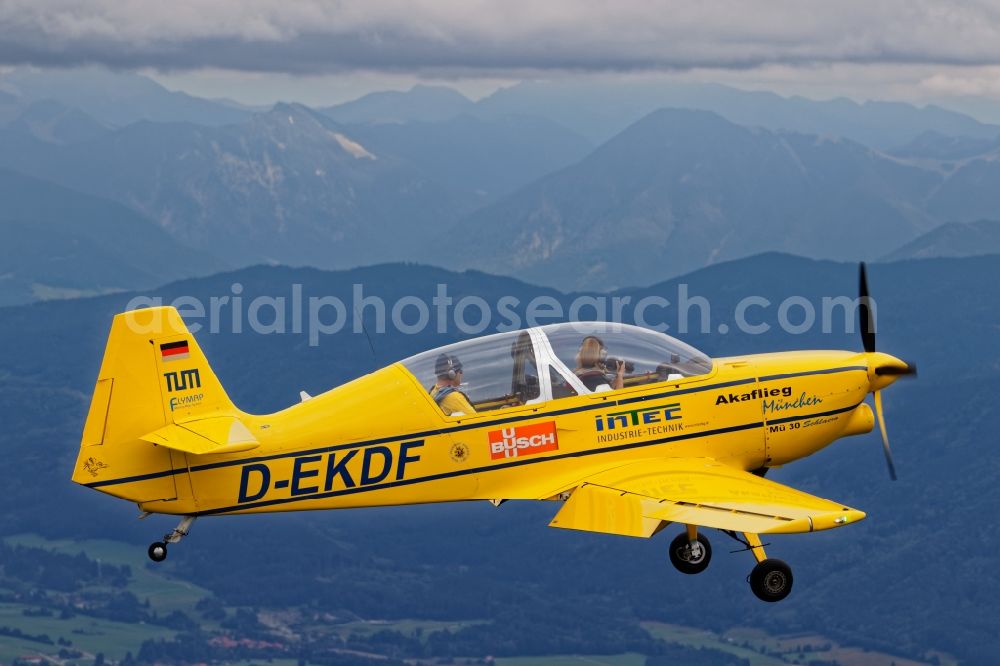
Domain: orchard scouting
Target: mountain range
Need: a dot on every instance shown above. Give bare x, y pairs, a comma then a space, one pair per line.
946, 149
114, 99
514, 183
287, 186
419, 104
596, 110
599, 110
679, 190
881, 125
58, 243
954, 239
292, 186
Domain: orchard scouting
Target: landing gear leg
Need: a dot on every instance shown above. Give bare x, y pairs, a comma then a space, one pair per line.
158, 549
755, 546
770, 579
690, 552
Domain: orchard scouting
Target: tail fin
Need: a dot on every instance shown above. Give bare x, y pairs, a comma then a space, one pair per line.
154, 377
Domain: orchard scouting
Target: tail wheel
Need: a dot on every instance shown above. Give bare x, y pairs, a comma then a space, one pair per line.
687, 558
157, 551
771, 580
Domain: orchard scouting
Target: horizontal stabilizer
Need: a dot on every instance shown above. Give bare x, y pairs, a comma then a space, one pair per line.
212, 435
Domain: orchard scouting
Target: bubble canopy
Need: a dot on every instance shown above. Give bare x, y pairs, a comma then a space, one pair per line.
556, 361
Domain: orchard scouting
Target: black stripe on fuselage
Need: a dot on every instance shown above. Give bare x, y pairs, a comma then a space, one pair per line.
827, 371
832, 412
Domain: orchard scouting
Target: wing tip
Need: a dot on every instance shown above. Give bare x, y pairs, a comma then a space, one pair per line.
819, 522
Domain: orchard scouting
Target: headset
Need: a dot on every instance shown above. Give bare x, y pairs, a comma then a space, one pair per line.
447, 366
604, 349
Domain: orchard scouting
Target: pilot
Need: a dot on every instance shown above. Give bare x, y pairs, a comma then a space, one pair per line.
591, 366
446, 391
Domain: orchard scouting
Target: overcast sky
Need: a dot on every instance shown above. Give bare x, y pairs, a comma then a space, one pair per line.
320, 52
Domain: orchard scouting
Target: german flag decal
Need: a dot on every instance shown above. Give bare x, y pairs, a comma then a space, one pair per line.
174, 351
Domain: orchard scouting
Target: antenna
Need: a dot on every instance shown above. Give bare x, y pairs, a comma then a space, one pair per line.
364, 329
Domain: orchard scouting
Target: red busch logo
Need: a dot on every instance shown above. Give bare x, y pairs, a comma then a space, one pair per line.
523, 440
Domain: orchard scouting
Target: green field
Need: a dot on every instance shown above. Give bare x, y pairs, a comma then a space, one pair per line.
767, 650
702, 638
91, 635
88, 634
405, 627
165, 594
629, 659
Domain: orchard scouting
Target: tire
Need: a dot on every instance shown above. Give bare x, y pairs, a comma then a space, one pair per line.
157, 551
680, 554
771, 580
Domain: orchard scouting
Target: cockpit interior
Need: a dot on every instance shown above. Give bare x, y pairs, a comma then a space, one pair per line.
557, 361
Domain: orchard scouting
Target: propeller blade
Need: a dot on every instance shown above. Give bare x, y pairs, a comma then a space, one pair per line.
885, 436
892, 370
865, 311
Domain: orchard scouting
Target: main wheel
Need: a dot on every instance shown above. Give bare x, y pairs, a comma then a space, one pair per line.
771, 580
157, 551
685, 558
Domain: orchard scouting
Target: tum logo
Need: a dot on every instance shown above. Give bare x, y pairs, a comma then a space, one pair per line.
183, 380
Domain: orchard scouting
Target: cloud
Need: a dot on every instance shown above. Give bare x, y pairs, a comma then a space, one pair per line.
981, 82
494, 38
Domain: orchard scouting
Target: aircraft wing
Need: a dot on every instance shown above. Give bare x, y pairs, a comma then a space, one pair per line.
640, 498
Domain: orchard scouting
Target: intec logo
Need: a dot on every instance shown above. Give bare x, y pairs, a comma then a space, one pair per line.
523, 440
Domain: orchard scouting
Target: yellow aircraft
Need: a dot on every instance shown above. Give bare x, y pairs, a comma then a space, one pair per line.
625, 447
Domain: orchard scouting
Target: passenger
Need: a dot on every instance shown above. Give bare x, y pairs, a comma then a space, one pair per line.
446, 391
591, 366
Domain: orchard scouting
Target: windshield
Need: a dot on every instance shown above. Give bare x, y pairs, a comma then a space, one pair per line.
593, 352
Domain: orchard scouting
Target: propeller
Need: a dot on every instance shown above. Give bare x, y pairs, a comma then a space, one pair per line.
885, 436
865, 311
898, 369
867, 325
